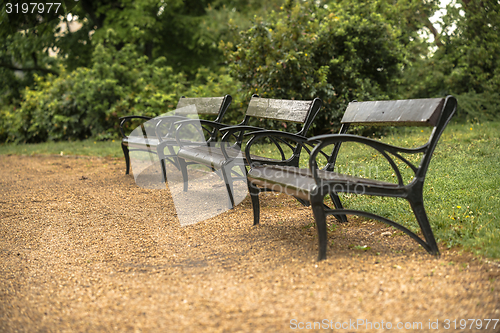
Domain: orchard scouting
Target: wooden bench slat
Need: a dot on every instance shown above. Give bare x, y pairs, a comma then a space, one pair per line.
140, 142
210, 156
279, 109
204, 105
213, 156
413, 112
301, 182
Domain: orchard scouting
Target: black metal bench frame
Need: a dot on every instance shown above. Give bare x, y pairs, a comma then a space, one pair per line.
223, 158
312, 185
164, 137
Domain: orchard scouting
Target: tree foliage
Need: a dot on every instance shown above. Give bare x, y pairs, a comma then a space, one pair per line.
338, 52
173, 29
465, 63
139, 56
27, 39
88, 101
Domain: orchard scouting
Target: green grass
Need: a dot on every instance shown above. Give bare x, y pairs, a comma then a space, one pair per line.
86, 148
461, 192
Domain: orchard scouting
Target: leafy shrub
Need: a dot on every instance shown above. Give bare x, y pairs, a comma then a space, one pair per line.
88, 101
304, 51
478, 107
220, 83
49, 112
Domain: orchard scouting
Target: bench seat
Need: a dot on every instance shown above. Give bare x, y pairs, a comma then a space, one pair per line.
299, 182
136, 142
159, 133
213, 156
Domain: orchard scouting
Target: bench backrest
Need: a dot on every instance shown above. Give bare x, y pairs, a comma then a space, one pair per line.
204, 105
301, 112
410, 112
435, 112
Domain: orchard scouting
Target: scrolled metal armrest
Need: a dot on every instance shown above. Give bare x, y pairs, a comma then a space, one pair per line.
334, 138
169, 119
239, 128
276, 136
383, 148
214, 124
201, 121
230, 130
124, 119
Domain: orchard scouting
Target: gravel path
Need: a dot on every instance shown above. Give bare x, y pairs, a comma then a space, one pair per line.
83, 249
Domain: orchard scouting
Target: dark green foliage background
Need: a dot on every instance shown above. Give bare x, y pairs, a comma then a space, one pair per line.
338, 53
139, 57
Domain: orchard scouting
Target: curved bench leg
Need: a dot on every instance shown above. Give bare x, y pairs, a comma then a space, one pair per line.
174, 160
226, 174
244, 171
320, 218
254, 195
421, 216
338, 204
163, 170
127, 158
161, 157
183, 168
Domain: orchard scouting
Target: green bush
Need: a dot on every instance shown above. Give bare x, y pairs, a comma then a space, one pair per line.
465, 63
220, 83
478, 107
338, 54
88, 101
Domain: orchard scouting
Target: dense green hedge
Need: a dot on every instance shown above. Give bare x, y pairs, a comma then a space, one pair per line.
339, 54
338, 51
88, 101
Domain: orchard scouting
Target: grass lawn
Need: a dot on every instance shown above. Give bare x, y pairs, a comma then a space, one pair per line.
461, 191
87, 147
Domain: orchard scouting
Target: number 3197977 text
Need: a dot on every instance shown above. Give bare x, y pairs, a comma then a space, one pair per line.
32, 8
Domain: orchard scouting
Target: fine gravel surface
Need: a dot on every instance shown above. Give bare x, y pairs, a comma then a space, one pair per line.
84, 249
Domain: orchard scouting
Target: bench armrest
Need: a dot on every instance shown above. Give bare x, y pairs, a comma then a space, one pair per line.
159, 121
215, 127
334, 138
124, 119
292, 136
384, 148
230, 131
241, 128
213, 123
279, 138
167, 122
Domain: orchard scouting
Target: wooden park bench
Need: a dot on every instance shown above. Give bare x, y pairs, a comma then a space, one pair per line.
313, 184
158, 133
224, 157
